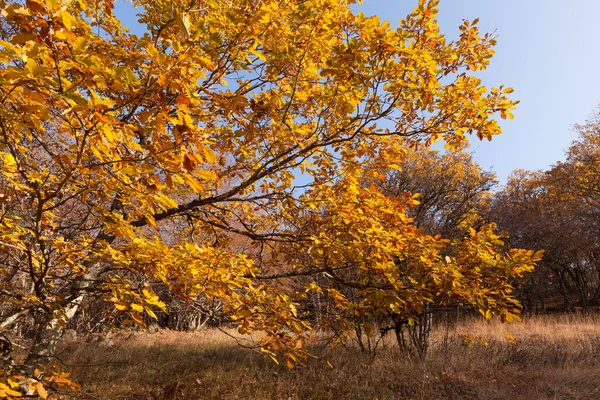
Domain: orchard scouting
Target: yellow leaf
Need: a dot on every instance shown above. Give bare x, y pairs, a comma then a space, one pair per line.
209, 154
194, 184
137, 307
41, 390
4, 389
488, 314
183, 21
151, 221
12, 383
258, 54
67, 19
8, 160
79, 44
205, 174
150, 313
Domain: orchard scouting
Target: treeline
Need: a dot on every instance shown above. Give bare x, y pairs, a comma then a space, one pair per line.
558, 211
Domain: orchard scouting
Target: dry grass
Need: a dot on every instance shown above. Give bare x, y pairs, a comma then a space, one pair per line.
550, 357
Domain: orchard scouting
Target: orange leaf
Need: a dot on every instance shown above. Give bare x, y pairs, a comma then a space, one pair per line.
41, 390
189, 163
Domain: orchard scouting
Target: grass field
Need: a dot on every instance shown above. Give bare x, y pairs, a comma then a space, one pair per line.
545, 357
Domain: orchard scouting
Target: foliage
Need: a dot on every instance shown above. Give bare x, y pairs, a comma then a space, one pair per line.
129, 160
451, 194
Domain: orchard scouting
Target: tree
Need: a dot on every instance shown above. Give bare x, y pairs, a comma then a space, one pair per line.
533, 221
129, 160
574, 184
453, 196
453, 191
557, 211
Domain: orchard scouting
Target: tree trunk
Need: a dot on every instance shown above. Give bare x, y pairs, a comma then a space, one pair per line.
51, 329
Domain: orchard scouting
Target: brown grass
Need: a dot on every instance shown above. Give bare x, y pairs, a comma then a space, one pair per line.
548, 357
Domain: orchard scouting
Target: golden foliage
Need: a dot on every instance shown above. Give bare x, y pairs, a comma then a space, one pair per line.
128, 155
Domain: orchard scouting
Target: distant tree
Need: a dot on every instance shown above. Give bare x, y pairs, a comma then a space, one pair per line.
558, 211
521, 209
453, 191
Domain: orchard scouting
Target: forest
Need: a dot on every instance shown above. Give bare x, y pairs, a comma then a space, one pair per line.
259, 199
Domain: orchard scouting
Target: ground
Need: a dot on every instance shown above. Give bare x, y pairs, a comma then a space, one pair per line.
544, 357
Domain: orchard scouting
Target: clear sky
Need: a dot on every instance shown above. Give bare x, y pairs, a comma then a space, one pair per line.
548, 51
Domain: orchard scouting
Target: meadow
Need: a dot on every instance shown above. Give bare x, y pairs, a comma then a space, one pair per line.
542, 357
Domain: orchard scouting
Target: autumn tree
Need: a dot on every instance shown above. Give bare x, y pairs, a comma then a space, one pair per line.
575, 185
383, 268
453, 190
557, 211
449, 195
130, 159
453, 195
523, 211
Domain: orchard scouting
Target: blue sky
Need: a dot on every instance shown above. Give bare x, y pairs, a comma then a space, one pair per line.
547, 51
